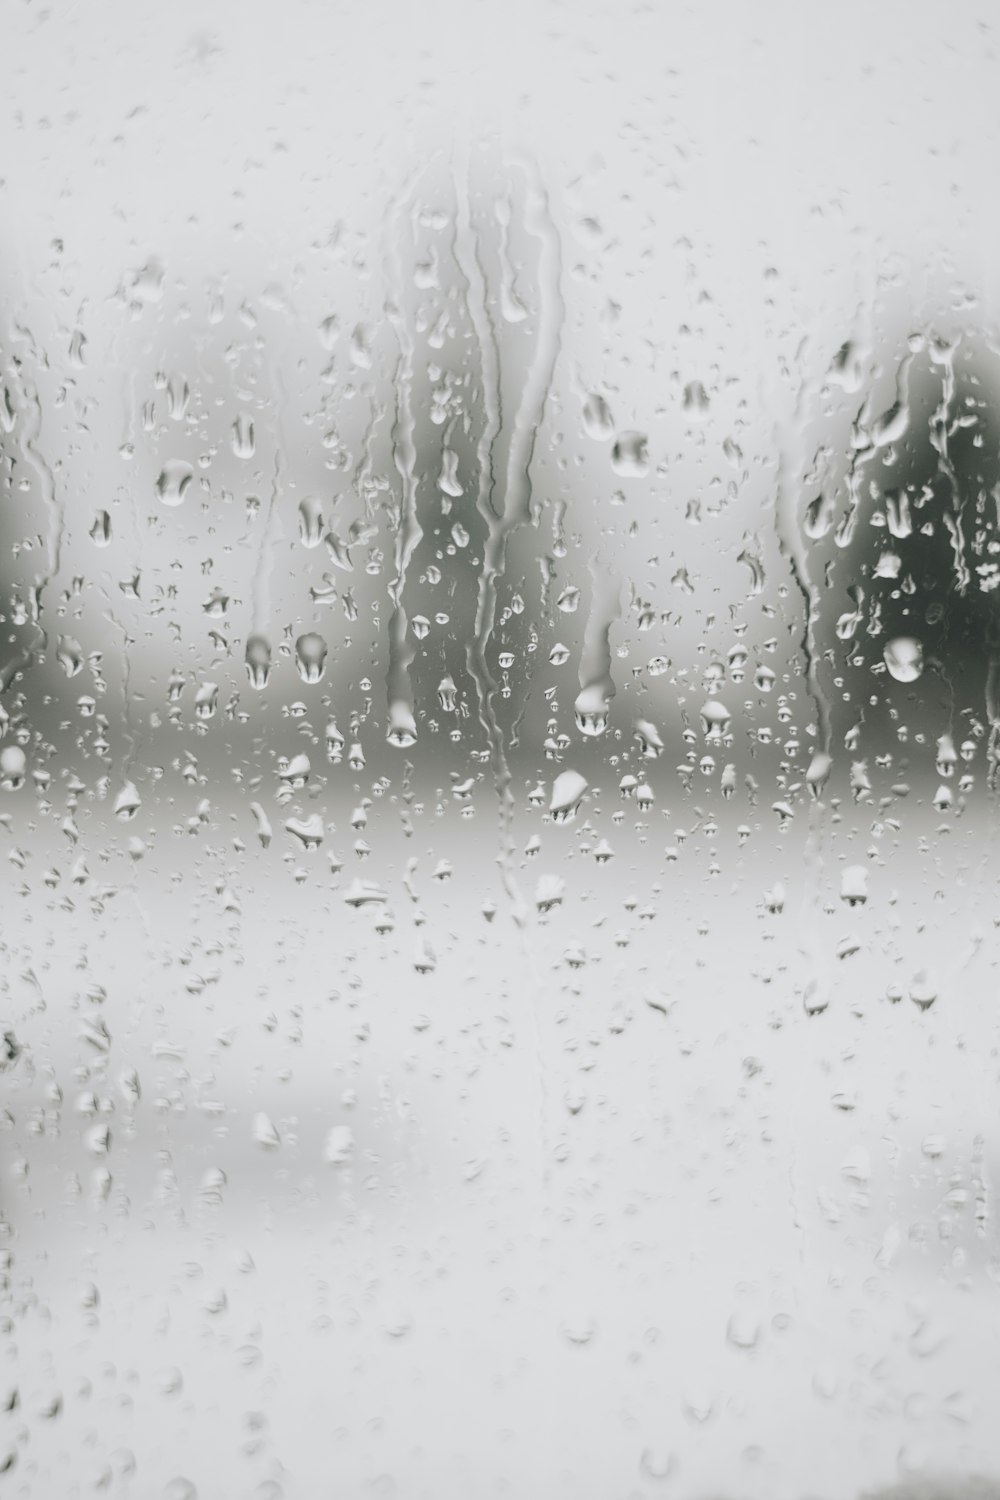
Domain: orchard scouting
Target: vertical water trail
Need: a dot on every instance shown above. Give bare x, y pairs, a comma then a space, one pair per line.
793, 549
129, 758
364, 468
53, 504
500, 522
597, 686
513, 309
129, 379
128, 724
870, 441
30, 433
791, 543
401, 728
130, 733
993, 714
467, 257
128, 641
528, 420
477, 301
258, 646
940, 433
980, 1186
516, 507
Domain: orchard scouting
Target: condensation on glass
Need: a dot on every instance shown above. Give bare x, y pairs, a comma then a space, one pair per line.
500, 674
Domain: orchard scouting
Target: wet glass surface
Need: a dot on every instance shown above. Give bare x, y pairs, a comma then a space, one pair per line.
500, 727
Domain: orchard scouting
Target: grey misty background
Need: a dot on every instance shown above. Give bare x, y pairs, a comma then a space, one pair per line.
631, 1152
315, 534
469, 548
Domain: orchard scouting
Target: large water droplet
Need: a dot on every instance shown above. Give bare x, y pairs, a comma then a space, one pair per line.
630, 455
69, 655
819, 772
904, 657
364, 893
175, 478
100, 531
567, 793
402, 728
264, 1132
310, 656
295, 771
308, 831
258, 661
650, 739
243, 437
310, 522
597, 420
13, 765
695, 401
128, 802
715, 718
591, 710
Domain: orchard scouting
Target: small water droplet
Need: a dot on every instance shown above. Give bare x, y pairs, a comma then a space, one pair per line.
180, 1489
657, 1463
